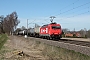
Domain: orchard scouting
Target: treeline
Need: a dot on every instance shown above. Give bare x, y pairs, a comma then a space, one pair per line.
8, 23
85, 33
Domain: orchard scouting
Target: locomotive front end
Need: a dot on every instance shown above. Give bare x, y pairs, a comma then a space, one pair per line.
55, 31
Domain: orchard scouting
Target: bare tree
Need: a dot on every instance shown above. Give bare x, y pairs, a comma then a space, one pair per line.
23, 28
83, 32
10, 22
1, 24
65, 30
13, 21
88, 33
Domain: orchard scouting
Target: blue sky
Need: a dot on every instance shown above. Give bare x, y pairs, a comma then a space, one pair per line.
69, 13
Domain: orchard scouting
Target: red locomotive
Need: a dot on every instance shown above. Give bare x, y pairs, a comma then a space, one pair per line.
51, 31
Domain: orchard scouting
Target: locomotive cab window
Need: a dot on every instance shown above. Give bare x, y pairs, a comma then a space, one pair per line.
56, 27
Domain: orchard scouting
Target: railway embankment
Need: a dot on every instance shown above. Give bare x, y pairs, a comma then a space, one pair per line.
64, 51
77, 48
18, 47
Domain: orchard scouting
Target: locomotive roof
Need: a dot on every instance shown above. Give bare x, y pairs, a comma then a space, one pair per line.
49, 24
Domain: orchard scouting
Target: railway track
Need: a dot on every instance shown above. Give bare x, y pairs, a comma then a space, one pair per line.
78, 46
75, 42
81, 43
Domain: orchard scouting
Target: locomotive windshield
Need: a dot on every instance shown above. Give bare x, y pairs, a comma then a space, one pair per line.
56, 27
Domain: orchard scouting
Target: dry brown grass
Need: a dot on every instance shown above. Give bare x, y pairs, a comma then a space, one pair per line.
57, 53
35, 50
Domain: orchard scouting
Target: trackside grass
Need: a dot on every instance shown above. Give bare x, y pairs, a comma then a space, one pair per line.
38, 49
3, 39
57, 53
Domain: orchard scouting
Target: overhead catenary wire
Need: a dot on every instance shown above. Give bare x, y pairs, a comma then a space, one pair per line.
62, 9
78, 11
68, 6
31, 22
73, 8
75, 15
79, 14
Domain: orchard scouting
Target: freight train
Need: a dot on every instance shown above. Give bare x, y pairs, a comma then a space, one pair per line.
48, 31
